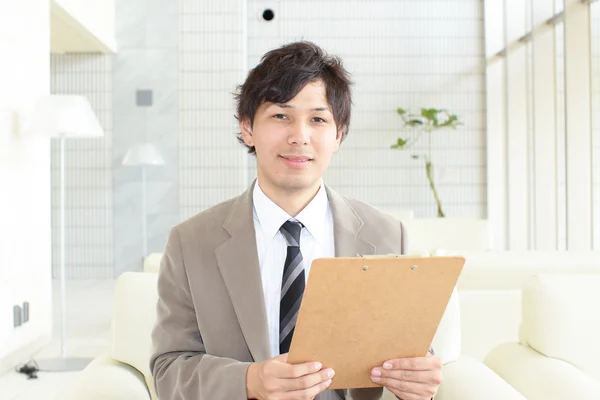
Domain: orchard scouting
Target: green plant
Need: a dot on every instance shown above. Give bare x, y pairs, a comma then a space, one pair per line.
429, 120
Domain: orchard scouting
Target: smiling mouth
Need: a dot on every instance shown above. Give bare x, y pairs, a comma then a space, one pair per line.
296, 162
297, 158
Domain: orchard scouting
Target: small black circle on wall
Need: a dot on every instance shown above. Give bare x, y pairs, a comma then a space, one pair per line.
268, 14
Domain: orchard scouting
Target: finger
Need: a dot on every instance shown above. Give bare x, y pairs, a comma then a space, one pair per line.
308, 381
289, 371
308, 393
413, 363
406, 375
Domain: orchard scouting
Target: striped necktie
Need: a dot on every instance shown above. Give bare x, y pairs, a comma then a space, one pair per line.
292, 285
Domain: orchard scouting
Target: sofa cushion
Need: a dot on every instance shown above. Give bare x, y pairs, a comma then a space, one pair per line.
561, 318
105, 379
134, 315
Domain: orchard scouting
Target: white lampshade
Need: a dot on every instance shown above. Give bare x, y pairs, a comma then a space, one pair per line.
64, 116
144, 154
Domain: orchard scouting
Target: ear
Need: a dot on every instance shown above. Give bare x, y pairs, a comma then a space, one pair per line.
246, 129
338, 138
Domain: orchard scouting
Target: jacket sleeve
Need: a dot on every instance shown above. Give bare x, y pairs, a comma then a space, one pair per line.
179, 364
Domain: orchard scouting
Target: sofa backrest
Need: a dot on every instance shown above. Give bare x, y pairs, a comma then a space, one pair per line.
152, 262
561, 318
455, 234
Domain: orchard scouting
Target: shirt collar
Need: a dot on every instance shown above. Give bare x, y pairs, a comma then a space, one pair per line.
271, 216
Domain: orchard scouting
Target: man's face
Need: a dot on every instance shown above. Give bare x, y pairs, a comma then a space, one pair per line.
294, 141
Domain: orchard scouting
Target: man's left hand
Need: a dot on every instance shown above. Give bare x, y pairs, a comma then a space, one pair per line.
410, 378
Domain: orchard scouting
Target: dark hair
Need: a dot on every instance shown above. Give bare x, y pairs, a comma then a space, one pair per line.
283, 72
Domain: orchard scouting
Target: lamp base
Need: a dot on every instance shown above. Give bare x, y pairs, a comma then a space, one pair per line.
63, 364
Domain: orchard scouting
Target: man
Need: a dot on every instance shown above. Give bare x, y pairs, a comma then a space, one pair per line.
232, 277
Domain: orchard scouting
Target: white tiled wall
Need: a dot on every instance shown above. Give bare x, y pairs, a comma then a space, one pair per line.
401, 54
212, 163
88, 172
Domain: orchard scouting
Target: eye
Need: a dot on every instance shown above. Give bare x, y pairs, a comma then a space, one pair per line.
279, 116
319, 120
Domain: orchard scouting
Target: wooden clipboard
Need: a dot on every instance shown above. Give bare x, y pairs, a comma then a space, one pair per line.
358, 312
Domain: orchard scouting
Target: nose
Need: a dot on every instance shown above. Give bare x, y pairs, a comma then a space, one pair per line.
299, 134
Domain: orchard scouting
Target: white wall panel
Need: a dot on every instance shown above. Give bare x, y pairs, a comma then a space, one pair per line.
578, 125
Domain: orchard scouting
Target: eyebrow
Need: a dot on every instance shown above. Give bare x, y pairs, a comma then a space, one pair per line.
282, 105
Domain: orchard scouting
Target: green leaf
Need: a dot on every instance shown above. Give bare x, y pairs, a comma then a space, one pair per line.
429, 119
400, 143
429, 113
452, 121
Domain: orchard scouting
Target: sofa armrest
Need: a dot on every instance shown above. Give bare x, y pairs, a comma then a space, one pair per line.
539, 377
469, 379
106, 379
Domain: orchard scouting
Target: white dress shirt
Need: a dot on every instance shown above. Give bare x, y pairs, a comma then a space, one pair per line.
316, 241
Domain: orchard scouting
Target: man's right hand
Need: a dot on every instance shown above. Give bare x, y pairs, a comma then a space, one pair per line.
276, 379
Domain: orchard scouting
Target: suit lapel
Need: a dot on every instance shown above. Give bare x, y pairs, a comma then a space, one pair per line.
237, 258
238, 261
347, 228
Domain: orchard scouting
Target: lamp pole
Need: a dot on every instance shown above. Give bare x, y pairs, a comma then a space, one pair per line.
144, 215
143, 155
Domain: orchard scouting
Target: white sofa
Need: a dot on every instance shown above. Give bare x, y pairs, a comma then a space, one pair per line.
426, 235
559, 347
489, 290
457, 234
123, 373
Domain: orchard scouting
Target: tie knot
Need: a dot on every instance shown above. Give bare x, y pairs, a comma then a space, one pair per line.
291, 231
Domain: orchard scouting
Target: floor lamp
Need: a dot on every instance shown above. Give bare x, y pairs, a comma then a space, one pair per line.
64, 117
144, 155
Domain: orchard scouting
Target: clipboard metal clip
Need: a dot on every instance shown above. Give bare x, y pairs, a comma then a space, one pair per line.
390, 255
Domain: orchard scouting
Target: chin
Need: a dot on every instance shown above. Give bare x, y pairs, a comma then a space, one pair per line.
298, 183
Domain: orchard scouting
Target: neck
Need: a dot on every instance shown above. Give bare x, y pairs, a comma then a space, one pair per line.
290, 201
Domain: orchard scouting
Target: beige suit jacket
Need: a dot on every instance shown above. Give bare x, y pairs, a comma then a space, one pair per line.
211, 320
